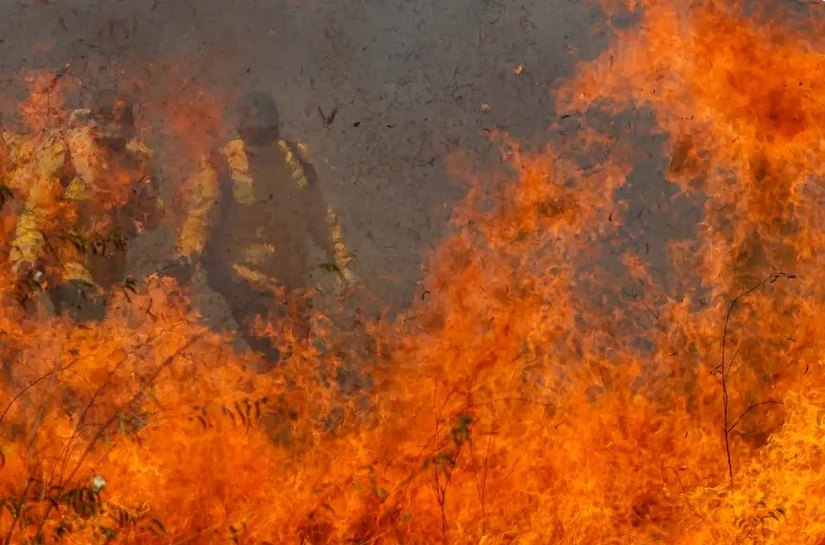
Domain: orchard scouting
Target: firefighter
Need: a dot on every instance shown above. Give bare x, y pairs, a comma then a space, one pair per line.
86, 191
249, 211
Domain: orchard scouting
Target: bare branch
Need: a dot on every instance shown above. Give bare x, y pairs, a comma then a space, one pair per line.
723, 368
750, 408
31, 385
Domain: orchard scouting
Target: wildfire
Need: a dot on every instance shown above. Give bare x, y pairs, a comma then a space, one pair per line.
519, 399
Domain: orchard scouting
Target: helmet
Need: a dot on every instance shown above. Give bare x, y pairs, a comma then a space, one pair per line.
114, 117
258, 118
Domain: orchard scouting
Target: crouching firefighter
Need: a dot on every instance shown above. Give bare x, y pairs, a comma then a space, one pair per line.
249, 210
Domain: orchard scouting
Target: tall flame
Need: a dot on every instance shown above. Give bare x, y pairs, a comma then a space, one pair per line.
518, 400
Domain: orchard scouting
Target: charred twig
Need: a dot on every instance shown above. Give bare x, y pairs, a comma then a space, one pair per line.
718, 368
751, 407
30, 385
723, 368
129, 404
132, 402
81, 420
18, 514
445, 462
481, 484
80, 423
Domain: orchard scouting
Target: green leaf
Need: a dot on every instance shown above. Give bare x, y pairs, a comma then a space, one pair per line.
332, 268
157, 527
461, 429
130, 284
381, 493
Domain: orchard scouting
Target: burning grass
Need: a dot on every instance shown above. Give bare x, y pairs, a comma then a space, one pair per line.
504, 406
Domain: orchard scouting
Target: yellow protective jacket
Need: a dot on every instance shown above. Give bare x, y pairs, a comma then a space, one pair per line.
268, 208
61, 177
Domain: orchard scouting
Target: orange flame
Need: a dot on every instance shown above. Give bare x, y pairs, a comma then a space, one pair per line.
513, 403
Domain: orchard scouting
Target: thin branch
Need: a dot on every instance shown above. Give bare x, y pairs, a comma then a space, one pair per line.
18, 511
117, 413
81, 420
750, 408
723, 366
29, 386
718, 368
481, 486
130, 403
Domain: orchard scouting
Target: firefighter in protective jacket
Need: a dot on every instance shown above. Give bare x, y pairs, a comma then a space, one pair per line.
84, 190
249, 211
